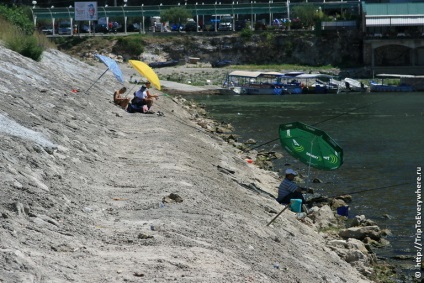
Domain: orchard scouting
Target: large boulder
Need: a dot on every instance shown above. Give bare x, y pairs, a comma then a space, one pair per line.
324, 217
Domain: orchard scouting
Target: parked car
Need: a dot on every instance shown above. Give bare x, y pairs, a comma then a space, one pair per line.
84, 29
47, 30
101, 28
240, 24
225, 26
65, 28
133, 27
177, 27
191, 26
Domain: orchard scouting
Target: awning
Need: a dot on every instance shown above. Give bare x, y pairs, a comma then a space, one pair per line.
247, 74
394, 21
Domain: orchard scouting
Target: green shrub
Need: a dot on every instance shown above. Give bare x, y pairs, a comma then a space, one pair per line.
131, 45
18, 32
27, 46
19, 17
246, 33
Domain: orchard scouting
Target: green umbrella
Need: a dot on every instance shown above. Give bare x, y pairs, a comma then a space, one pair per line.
311, 146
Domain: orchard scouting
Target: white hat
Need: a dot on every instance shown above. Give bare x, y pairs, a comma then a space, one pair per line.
291, 171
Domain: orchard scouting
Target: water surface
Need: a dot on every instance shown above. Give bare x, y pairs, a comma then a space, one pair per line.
382, 138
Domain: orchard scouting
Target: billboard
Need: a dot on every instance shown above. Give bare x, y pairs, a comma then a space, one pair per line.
85, 11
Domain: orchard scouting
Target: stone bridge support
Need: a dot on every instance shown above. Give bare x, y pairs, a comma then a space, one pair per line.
402, 52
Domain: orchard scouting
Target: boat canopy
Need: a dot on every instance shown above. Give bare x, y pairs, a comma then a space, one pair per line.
395, 76
313, 76
247, 74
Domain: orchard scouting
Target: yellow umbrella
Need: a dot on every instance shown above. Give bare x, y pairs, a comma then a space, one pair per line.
146, 72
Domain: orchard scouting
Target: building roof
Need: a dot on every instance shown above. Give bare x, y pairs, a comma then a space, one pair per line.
393, 9
393, 14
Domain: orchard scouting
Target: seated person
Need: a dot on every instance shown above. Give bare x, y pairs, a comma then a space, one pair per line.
119, 100
288, 189
143, 99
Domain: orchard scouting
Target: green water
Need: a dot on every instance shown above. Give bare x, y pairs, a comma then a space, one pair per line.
382, 138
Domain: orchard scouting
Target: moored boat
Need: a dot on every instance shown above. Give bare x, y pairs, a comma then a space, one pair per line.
400, 87
169, 63
355, 85
220, 63
379, 87
258, 83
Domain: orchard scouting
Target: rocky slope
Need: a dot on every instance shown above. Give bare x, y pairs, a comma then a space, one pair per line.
263, 48
90, 193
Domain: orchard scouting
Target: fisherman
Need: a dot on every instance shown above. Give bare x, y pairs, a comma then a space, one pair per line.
119, 100
289, 190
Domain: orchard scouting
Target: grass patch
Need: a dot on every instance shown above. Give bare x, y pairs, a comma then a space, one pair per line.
31, 46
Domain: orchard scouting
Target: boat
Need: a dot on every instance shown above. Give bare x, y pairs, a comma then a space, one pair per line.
382, 87
244, 82
355, 85
314, 83
169, 63
258, 83
220, 63
348, 85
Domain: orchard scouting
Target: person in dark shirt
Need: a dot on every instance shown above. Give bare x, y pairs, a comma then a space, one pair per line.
288, 189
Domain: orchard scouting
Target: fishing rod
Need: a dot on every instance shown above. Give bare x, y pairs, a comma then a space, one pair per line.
181, 121
320, 122
373, 189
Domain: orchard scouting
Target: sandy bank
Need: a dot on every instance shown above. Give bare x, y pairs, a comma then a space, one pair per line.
82, 203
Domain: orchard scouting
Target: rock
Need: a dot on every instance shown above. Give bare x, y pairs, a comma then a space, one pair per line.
360, 220
21, 209
358, 245
354, 255
361, 232
220, 130
316, 181
345, 198
250, 141
172, 198
336, 203
324, 217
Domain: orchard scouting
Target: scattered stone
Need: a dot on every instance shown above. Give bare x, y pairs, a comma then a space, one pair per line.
345, 198
360, 220
172, 198
250, 141
21, 209
138, 274
336, 203
144, 236
361, 233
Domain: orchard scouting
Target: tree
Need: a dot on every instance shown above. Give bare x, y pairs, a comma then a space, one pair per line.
177, 15
306, 13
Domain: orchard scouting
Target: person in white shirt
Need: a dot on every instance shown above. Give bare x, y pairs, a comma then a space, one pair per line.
143, 97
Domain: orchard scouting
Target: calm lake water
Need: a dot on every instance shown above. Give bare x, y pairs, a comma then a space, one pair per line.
382, 138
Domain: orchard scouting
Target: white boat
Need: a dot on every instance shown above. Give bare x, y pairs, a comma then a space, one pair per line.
355, 85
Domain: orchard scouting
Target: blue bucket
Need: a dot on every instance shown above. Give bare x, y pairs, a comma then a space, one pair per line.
343, 210
296, 205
